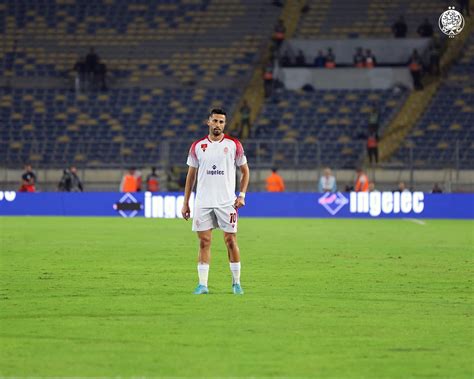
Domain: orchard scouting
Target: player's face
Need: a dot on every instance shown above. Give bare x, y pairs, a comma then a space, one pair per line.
216, 123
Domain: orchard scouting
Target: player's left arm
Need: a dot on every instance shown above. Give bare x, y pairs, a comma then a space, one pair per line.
244, 183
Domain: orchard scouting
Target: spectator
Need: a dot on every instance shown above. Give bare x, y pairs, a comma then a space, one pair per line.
374, 119
320, 60
101, 76
138, 176
268, 79
362, 181
369, 59
464, 7
359, 58
129, 181
279, 34
80, 77
435, 56
425, 29
152, 182
327, 182
70, 182
400, 28
275, 182
285, 60
372, 187
300, 59
245, 127
436, 189
28, 180
330, 59
372, 147
416, 69
92, 60
402, 188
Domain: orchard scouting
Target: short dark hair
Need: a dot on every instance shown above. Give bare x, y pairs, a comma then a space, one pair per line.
217, 111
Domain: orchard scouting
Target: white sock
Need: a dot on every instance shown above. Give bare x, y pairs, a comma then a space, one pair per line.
203, 272
235, 268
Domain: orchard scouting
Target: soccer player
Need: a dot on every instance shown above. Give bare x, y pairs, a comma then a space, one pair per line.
213, 159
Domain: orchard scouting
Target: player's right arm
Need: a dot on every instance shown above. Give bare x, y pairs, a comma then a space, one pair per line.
190, 179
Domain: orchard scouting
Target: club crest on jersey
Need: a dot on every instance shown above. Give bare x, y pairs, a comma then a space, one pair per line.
226, 150
204, 146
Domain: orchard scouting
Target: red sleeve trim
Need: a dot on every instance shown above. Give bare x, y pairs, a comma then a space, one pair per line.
192, 150
239, 153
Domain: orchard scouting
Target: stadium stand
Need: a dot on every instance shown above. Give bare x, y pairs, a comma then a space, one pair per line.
164, 78
446, 127
365, 18
138, 41
334, 120
52, 126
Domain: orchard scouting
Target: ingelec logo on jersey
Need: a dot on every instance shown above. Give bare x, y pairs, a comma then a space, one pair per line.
204, 146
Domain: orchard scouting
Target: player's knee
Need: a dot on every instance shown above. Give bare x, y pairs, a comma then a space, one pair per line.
230, 241
204, 242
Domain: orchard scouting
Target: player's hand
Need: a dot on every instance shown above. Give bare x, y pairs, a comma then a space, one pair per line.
239, 202
186, 212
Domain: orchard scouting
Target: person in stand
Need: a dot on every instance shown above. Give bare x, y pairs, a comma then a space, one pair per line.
362, 181
425, 30
320, 60
416, 69
279, 34
268, 79
152, 182
245, 128
369, 59
436, 189
399, 28
300, 59
70, 181
359, 58
372, 147
274, 182
327, 182
92, 59
285, 59
129, 181
28, 180
330, 59
80, 76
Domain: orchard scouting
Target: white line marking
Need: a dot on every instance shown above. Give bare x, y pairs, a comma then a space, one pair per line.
416, 221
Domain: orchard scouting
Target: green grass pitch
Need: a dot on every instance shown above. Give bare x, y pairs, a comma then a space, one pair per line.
333, 298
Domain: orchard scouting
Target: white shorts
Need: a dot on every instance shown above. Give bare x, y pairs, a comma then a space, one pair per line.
224, 218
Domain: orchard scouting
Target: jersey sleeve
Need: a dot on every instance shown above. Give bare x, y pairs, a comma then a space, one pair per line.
240, 158
192, 156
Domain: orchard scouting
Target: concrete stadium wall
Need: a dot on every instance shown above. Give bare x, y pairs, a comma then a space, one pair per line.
345, 78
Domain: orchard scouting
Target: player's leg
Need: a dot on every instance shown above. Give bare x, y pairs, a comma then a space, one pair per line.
203, 222
233, 253
204, 258
227, 218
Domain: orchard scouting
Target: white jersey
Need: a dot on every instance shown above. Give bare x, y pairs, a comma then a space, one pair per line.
216, 162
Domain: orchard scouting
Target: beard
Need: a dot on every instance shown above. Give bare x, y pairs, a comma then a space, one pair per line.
216, 131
